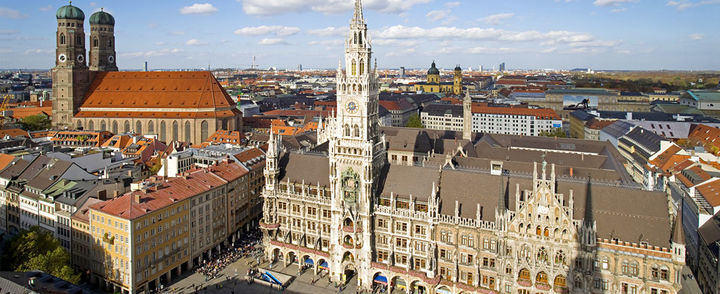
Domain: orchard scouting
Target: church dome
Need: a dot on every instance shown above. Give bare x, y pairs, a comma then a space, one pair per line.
457, 68
70, 12
102, 18
433, 70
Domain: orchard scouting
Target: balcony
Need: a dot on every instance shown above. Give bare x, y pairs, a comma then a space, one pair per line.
352, 229
269, 226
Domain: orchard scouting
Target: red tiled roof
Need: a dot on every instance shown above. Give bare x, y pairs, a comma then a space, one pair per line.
160, 114
542, 113
153, 90
598, 124
665, 155
246, 156
5, 160
223, 136
711, 192
707, 135
14, 133
23, 112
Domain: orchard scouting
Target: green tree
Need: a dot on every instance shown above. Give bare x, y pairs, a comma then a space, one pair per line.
414, 122
37, 249
556, 132
36, 122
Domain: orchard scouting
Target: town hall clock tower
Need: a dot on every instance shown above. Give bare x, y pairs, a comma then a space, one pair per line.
356, 156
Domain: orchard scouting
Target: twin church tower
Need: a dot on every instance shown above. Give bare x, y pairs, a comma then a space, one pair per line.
73, 70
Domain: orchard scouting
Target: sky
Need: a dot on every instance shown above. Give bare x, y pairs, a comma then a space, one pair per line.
525, 34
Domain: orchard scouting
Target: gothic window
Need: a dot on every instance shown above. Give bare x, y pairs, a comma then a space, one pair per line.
187, 132
91, 126
103, 127
346, 132
95, 42
78, 40
560, 258
138, 127
538, 231
356, 131
62, 39
203, 130
578, 282
560, 282
546, 233
175, 131
360, 40
362, 67
525, 252
162, 131
542, 255
353, 69
360, 86
355, 39
151, 128
126, 127
114, 127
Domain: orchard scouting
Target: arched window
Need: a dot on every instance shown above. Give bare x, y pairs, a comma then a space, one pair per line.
109, 43
162, 131
188, 134
114, 127
356, 131
360, 38
126, 128
79, 125
538, 231
95, 42
203, 130
546, 233
91, 125
542, 255
524, 274
362, 67
103, 127
560, 258
560, 282
138, 127
541, 278
353, 69
175, 131
62, 39
355, 39
78, 40
346, 131
151, 128
225, 124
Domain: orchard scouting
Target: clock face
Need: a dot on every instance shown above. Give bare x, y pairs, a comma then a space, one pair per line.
62, 58
352, 107
80, 58
111, 59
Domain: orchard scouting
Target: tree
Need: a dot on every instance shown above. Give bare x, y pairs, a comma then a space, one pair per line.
36, 122
37, 249
556, 132
414, 122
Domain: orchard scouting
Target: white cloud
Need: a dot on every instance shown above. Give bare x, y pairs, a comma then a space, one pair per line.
272, 41
493, 50
275, 7
495, 19
474, 33
684, 4
697, 36
437, 15
329, 31
46, 8
195, 42
408, 51
452, 4
607, 3
160, 43
39, 51
11, 13
395, 42
5, 51
153, 53
618, 10
199, 8
267, 30
7, 32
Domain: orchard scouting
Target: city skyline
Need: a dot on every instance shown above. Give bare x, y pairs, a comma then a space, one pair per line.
600, 34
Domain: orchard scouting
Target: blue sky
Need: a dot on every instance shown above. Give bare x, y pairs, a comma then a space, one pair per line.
530, 34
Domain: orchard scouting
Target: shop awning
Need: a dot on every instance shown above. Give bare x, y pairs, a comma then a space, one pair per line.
309, 261
324, 265
381, 280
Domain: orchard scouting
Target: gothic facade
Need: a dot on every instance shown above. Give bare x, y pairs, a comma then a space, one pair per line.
455, 223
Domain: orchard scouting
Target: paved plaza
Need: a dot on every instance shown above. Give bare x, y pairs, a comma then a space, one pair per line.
232, 280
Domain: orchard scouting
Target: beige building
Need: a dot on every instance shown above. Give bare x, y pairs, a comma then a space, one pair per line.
483, 217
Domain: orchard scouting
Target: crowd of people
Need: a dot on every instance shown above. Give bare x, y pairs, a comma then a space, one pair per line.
246, 246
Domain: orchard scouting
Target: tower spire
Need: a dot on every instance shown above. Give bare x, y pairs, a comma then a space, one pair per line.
358, 16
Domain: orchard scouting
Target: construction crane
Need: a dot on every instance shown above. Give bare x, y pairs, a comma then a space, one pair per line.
4, 102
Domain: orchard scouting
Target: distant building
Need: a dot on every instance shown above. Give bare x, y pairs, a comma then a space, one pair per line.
514, 121
434, 85
565, 101
400, 111
501, 68
701, 99
448, 117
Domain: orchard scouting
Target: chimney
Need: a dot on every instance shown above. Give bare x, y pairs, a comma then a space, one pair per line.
628, 116
571, 172
137, 198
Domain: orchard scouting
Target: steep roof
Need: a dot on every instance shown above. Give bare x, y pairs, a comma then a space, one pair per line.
140, 94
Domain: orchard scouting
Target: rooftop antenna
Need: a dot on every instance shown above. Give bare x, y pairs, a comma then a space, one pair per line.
253, 63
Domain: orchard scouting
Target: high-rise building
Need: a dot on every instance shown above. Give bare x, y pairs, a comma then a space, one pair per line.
501, 68
474, 216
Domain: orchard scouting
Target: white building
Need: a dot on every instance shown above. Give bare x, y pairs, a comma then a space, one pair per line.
514, 121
